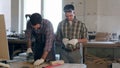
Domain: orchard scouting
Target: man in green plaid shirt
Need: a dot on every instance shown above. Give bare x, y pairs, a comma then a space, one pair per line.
70, 34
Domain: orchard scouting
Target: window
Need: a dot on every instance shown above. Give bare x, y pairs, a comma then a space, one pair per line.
51, 11
31, 6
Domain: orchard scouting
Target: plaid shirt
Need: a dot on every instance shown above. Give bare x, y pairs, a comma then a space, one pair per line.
77, 30
46, 29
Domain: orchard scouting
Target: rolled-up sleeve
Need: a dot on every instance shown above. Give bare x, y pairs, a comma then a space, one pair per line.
49, 37
84, 31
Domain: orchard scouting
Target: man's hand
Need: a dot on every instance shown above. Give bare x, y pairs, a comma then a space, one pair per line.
29, 50
65, 41
38, 62
73, 41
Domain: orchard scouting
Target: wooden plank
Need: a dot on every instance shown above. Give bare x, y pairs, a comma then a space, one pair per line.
4, 52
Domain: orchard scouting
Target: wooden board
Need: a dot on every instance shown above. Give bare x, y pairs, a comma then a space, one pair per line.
4, 52
29, 65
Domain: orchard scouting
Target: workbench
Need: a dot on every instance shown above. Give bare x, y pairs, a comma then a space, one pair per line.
16, 46
104, 49
29, 65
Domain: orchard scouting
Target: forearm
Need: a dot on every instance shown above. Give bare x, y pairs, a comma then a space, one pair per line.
29, 49
29, 43
45, 53
82, 40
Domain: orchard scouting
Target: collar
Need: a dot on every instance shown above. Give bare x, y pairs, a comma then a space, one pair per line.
74, 20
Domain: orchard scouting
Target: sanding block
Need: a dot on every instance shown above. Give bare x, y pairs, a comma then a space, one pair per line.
57, 62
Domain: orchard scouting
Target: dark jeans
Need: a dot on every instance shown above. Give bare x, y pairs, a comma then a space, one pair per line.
71, 57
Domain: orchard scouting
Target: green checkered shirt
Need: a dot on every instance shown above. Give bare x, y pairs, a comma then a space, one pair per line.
77, 30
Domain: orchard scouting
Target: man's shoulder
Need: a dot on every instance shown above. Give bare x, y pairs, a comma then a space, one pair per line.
63, 21
45, 20
80, 22
46, 23
77, 20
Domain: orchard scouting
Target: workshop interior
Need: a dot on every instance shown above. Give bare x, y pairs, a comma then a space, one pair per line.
101, 17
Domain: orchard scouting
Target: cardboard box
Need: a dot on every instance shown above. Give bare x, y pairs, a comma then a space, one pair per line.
102, 36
